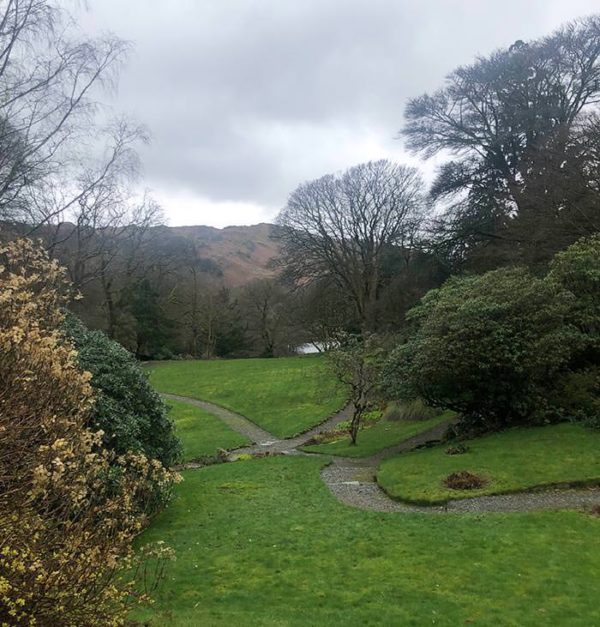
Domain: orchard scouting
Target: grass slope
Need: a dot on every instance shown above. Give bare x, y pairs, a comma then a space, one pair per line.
263, 542
381, 435
284, 396
202, 433
512, 460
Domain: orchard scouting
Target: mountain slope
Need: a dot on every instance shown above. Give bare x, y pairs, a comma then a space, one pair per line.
241, 253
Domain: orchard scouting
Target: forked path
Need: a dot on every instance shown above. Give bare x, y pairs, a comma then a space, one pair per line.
231, 419
352, 481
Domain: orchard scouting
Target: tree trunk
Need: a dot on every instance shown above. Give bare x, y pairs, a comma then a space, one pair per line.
109, 301
355, 425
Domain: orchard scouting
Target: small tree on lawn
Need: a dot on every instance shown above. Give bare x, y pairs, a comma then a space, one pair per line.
357, 364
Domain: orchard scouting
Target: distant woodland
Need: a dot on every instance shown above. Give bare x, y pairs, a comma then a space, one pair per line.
518, 132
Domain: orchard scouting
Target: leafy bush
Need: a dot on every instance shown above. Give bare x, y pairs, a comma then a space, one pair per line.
488, 347
131, 414
577, 269
65, 528
578, 395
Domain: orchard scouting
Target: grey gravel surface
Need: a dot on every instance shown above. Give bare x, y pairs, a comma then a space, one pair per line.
355, 485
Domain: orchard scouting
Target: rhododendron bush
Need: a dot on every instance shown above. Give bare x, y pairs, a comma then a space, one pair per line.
68, 507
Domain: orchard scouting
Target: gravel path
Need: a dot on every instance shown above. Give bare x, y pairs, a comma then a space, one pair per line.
235, 421
263, 441
289, 446
352, 480
355, 485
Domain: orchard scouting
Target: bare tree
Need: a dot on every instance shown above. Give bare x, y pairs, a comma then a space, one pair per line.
357, 364
201, 302
48, 75
339, 226
125, 256
265, 305
323, 313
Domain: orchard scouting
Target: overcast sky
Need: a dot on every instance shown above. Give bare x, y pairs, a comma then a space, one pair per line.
245, 99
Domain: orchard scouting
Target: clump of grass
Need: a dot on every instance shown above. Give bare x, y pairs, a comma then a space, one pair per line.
458, 449
243, 457
413, 410
464, 480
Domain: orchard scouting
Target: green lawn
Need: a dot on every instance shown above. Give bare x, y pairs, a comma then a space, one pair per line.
374, 439
285, 396
513, 460
202, 433
263, 542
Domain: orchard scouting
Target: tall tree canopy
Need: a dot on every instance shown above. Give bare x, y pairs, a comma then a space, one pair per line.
340, 226
59, 160
523, 127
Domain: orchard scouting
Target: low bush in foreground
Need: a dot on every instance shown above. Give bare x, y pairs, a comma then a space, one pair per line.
68, 509
127, 409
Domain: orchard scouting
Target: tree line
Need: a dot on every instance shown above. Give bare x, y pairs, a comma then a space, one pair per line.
517, 132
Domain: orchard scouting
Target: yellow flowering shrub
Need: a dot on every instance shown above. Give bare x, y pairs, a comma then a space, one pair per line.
65, 528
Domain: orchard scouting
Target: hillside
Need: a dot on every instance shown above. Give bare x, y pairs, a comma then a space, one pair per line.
235, 254
239, 254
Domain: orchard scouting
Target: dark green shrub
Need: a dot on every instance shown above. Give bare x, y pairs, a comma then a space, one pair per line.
131, 414
577, 269
488, 347
578, 395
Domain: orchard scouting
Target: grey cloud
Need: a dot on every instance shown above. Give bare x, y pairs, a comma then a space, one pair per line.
217, 80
